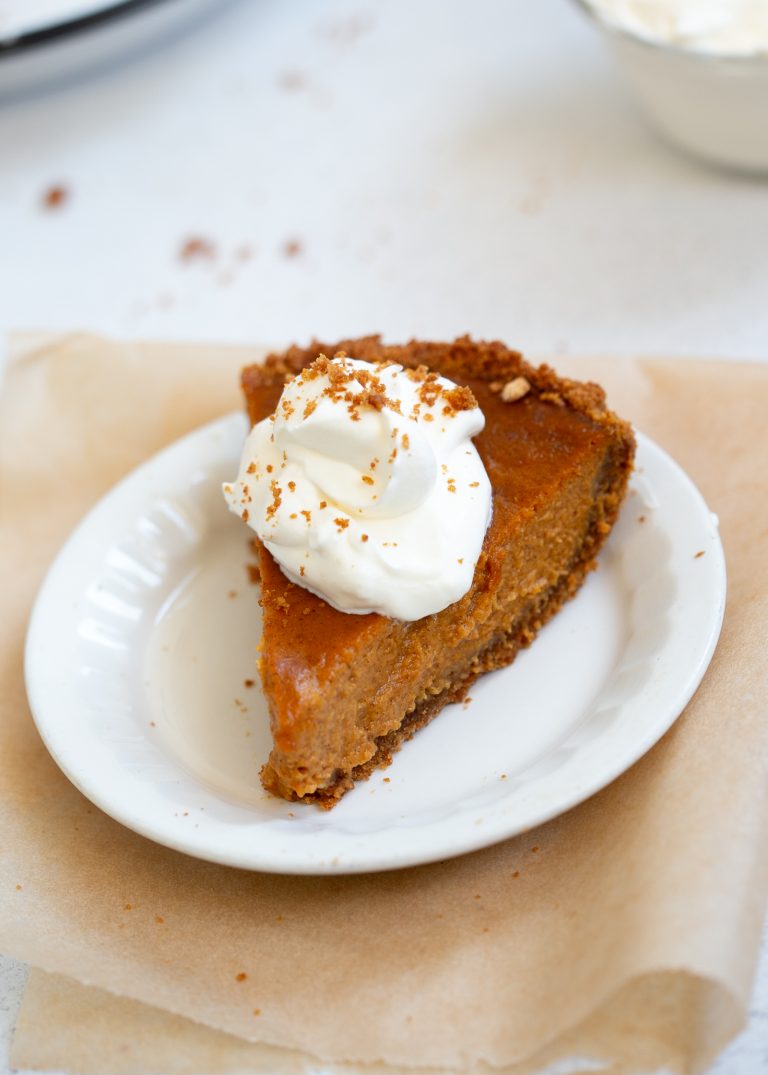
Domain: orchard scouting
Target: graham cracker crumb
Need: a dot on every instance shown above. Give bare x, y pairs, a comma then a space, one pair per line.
291, 80
458, 399
55, 197
516, 389
197, 248
277, 499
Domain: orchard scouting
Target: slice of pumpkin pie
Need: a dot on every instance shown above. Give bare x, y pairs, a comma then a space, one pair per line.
422, 510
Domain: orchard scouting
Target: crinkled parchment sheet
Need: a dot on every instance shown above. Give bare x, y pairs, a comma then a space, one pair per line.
629, 934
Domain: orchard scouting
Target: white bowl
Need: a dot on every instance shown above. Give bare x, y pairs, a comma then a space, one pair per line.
713, 105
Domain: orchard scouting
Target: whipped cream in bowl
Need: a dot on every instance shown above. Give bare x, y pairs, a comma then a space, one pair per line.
366, 488
699, 68
717, 27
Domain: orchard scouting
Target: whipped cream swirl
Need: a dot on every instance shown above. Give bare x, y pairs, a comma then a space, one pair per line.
366, 488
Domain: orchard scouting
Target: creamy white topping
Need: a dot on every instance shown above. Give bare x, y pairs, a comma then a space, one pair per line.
715, 26
366, 488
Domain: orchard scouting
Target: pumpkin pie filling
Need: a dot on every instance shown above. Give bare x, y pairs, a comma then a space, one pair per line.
345, 691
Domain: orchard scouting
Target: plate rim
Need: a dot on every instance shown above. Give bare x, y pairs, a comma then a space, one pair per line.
62, 29
483, 836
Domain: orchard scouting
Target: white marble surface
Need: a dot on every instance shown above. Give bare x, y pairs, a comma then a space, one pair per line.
417, 167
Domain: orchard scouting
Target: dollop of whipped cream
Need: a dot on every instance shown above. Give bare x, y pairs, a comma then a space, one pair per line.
732, 27
366, 487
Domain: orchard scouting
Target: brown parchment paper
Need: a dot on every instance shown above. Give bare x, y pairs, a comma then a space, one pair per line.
636, 914
65, 1026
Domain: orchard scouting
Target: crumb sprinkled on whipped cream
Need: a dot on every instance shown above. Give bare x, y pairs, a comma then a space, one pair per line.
362, 439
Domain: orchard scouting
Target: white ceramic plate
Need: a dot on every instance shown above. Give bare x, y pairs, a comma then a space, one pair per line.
144, 634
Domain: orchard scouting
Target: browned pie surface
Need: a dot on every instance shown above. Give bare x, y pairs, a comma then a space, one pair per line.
345, 690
